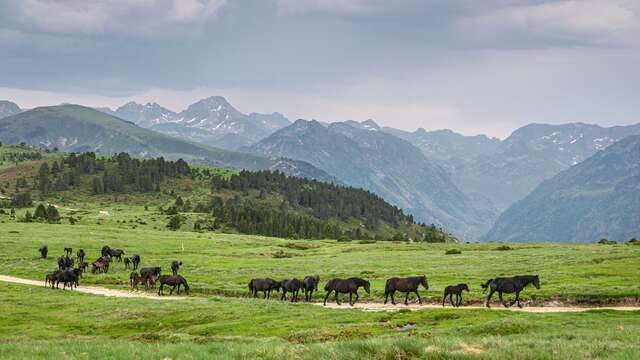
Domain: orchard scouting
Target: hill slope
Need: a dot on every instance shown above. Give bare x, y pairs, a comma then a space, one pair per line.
384, 164
8, 108
75, 128
597, 198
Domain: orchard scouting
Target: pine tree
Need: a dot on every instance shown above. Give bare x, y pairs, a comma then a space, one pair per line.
44, 179
53, 215
41, 212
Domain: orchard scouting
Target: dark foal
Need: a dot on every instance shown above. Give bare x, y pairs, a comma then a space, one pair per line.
346, 286
80, 255
175, 266
127, 263
293, 286
264, 285
135, 260
406, 285
68, 251
510, 285
309, 285
454, 290
44, 250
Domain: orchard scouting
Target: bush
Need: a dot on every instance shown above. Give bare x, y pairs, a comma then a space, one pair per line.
504, 248
366, 242
281, 254
344, 238
452, 252
175, 222
41, 212
607, 242
53, 216
633, 241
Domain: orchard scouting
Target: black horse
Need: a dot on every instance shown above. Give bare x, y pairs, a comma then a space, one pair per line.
127, 263
293, 286
150, 274
309, 285
80, 254
175, 266
116, 253
510, 285
106, 251
173, 281
454, 290
44, 250
64, 262
264, 285
406, 285
135, 260
346, 286
68, 251
67, 277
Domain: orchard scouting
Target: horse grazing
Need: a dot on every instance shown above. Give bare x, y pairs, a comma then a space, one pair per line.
116, 253
127, 263
151, 274
309, 285
67, 277
454, 290
135, 279
173, 281
44, 250
346, 286
135, 260
264, 285
406, 285
80, 254
175, 266
509, 285
83, 266
68, 251
64, 262
293, 286
50, 278
102, 265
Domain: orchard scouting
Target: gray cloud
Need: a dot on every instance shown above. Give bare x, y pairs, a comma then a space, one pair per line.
475, 66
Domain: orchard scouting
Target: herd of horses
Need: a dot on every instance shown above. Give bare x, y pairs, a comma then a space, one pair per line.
149, 276
70, 276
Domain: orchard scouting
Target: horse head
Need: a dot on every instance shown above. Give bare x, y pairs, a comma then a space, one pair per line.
316, 281
536, 282
277, 285
367, 287
424, 282
465, 287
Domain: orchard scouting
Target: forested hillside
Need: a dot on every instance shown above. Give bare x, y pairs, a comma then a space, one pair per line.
202, 198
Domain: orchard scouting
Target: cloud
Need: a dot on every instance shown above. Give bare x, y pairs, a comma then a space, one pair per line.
598, 22
95, 18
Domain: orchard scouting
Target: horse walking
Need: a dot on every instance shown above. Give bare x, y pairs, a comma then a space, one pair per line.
265, 285
406, 285
173, 281
346, 286
293, 286
454, 290
509, 285
309, 285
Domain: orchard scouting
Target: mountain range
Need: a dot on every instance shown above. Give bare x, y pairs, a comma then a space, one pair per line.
365, 157
74, 128
462, 183
212, 121
597, 198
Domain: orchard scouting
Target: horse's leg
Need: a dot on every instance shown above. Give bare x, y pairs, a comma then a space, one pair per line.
518, 299
350, 297
393, 300
444, 298
489, 298
406, 299
357, 296
419, 299
326, 297
458, 299
501, 300
451, 300
337, 300
160, 289
386, 296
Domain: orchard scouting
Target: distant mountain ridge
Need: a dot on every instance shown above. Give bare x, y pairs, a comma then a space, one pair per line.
8, 108
211, 121
362, 156
75, 128
504, 172
597, 198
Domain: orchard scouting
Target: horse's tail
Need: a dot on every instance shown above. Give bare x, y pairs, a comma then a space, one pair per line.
387, 287
486, 285
251, 285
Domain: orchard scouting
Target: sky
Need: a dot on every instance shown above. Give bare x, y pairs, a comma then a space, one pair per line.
476, 67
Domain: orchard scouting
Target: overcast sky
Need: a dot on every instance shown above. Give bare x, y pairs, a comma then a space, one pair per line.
473, 66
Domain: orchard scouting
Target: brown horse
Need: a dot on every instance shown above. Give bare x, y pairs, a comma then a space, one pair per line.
406, 285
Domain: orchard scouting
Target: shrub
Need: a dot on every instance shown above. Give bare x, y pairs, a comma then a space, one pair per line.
41, 212
452, 252
366, 242
504, 248
633, 241
281, 254
175, 222
344, 238
607, 242
53, 215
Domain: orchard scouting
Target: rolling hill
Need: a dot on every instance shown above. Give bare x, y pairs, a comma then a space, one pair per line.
598, 198
74, 128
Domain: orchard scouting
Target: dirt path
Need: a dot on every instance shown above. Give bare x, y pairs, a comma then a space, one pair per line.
95, 290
